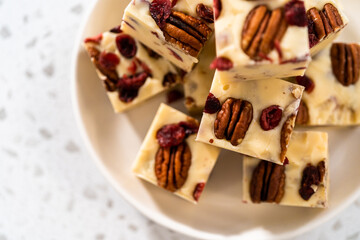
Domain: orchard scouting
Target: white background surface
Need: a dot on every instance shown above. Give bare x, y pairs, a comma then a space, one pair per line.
49, 186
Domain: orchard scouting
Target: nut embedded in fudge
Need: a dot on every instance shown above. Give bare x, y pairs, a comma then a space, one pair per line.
255, 118
332, 87
325, 21
269, 39
131, 72
197, 83
171, 159
175, 29
302, 181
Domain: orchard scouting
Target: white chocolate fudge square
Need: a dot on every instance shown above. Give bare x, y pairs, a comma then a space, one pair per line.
179, 37
302, 182
325, 21
182, 169
256, 40
332, 94
197, 83
254, 118
130, 72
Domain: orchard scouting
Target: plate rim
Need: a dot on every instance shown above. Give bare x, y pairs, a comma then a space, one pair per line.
161, 219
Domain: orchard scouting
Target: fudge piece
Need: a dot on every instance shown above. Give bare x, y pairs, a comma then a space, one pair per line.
332, 87
130, 71
170, 158
325, 21
175, 29
303, 181
255, 118
197, 83
261, 39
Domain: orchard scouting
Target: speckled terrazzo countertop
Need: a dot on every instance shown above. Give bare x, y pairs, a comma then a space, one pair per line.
49, 186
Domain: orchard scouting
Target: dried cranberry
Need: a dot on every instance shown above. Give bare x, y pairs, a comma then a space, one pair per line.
217, 8
286, 161
270, 117
307, 82
190, 127
212, 104
108, 61
221, 64
132, 68
126, 45
295, 13
311, 176
97, 39
170, 135
160, 11
198, 190
174, 95
116, 29
172, 52
313, 39
129, 86
205, 12
173, 3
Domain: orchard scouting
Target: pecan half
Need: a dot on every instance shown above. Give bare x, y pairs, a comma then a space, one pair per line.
267, 183
233, 120
286, 132
345, 61
302, 117
323, 22
262, 29
186, 32
311, 179
172, 166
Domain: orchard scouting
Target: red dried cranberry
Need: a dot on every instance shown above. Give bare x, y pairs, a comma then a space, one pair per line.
174, 95
132, 68
190, 127
97, 39
212, 104
173, 3
205, 12
286, 161
172, 52
160, 11
170, 135
222, 64
116, 29
198, 190
129, 86
126, 45
108, 60
270, 117
308, 83
313, 39
295, 13
217, 8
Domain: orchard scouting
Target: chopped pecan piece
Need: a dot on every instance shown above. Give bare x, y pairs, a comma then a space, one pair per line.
267, 183
302, 117
186, 32
233, 120
345, 60
311, 179
323, 22
172, 166
286, 132
94, 54
262, 30
205, 12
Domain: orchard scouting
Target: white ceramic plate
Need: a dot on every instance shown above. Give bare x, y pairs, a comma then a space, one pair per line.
114, 141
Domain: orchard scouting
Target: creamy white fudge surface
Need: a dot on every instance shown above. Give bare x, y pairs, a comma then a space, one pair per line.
319, 5
202, 161
138, 22
261, 94
294, 46
197, 83
153, 85
330, 102
304, 148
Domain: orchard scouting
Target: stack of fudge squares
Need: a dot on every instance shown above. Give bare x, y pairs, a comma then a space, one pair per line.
254, 69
